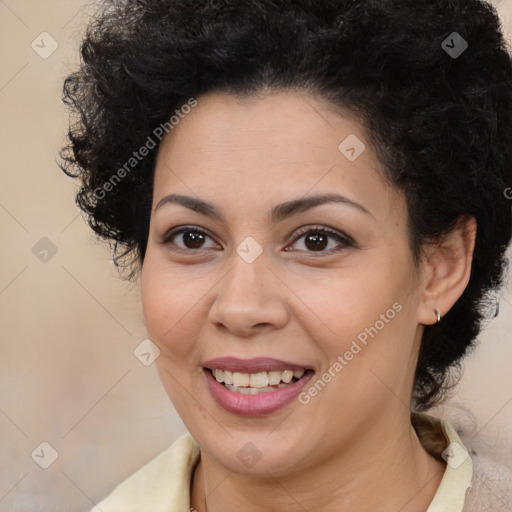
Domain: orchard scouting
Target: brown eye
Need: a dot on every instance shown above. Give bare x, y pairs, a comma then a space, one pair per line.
317, 239
191, 238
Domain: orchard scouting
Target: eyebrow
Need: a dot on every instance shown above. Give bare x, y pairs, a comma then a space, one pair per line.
278, 213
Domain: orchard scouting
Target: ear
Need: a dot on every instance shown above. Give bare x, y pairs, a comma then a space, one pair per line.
447, 269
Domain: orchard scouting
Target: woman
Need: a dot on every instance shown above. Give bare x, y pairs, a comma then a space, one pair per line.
314, 195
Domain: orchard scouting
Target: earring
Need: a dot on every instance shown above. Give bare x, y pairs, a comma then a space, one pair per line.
438, 315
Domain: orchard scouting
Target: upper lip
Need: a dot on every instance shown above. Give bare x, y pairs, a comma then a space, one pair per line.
254, 365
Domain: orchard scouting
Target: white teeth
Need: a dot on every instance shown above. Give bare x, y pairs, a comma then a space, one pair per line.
258, 380
254, 391
228, 377
274, 378
287, 376
240, 379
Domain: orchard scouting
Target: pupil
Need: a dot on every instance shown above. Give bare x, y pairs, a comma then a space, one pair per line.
193, 238
317, 243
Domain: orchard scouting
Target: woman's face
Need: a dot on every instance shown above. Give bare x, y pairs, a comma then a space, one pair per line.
258, 280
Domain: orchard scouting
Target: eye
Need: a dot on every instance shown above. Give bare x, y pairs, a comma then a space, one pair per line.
192, 238
316, 239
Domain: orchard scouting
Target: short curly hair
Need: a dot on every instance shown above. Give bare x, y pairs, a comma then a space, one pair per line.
440, 120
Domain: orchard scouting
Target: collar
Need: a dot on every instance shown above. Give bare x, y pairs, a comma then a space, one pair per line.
163, 485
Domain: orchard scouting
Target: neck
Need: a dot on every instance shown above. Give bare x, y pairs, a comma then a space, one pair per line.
389, 474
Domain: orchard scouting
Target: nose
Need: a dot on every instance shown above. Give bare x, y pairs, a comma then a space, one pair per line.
251, 299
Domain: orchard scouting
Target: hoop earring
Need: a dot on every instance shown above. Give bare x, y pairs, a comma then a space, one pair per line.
438, 315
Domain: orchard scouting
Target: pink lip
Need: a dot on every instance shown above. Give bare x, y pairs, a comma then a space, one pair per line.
254, 405
255, 365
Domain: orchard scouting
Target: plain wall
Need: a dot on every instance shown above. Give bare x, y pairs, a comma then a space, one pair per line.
69, 326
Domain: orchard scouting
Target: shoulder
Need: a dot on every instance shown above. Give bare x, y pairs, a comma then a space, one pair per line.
161, 485
491, 478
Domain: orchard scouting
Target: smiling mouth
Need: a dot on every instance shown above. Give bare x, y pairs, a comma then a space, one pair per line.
257, 383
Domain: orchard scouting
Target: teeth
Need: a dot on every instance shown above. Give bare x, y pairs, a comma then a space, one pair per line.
287, 376
254, 391
258, 380
240, 379
274, 378
228, 377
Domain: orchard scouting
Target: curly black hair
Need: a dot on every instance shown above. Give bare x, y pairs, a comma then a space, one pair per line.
430, 80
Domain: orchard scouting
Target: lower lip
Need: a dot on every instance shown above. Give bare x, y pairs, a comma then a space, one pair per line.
254, 405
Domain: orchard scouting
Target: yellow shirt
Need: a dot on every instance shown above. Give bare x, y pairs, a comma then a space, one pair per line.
163, 485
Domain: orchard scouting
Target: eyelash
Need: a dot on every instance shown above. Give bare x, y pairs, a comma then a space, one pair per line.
345, 240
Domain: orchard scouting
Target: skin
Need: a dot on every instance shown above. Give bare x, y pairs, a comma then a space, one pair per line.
352, 446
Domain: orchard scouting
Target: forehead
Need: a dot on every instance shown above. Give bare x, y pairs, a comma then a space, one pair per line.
262, 150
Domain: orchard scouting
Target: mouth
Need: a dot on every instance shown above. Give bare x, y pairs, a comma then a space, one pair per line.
258, 393
258, 382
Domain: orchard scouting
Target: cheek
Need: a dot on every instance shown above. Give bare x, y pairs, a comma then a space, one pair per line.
170, 307
345, 304
359, 320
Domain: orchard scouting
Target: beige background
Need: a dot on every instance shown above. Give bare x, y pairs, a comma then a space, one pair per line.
68, 375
